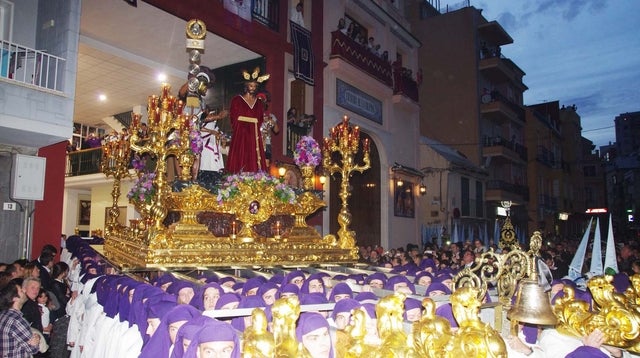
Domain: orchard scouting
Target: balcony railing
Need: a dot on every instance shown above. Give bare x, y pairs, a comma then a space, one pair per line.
547, 202
25, 65
509, 187
266, 13
83, 162
517, 109
403, 83
546, 157
342, 46
510, 144
500, 69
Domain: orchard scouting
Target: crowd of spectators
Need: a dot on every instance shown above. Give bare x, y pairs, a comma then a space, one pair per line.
359, 35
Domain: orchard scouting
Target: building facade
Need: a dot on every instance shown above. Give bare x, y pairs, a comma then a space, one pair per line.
622, 167
471, 100
372, 83
544, 169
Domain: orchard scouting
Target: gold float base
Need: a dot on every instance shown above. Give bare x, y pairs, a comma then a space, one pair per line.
130, 255
205, 233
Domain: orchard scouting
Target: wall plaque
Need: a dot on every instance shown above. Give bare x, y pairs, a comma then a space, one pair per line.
359, 102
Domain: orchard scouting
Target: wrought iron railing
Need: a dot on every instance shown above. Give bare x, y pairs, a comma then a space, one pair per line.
516, 108
503, 142
547, 202
266, 13
83, 162
510, 187
547, 157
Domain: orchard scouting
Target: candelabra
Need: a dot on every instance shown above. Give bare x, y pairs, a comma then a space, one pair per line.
116, 154
169, 130
344, 140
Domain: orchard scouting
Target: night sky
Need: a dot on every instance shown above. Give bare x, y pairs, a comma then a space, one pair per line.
582, 52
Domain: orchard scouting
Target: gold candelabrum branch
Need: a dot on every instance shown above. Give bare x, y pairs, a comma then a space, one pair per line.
169, 130
344, 140
514, 273
116, 156
505, 270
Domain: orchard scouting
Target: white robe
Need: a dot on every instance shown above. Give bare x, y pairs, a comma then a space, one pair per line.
123, 341
131, 343
103, 331
211, 156
76, 310
557, 345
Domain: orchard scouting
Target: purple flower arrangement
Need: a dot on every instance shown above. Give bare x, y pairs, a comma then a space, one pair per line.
143, 190
138, 163
307, 152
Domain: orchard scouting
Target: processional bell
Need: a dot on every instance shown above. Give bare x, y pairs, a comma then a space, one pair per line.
532, 303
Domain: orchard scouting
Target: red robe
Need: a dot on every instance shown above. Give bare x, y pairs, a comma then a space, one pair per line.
246, 151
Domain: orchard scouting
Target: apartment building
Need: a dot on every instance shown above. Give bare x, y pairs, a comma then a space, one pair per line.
471, 100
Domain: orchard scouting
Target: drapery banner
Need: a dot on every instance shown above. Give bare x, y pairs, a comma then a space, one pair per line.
302, 54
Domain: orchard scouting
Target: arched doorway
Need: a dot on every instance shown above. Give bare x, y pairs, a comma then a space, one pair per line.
364, 203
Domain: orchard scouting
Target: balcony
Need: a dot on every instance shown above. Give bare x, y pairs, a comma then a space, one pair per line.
500, 109
547, 202
266, 13
494, 33
546, 157
343, 47
403, 83
500, 190
498, 147
499, 69
31, 67
83, 162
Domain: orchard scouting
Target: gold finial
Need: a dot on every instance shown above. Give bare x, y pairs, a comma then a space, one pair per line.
258, 342
196, 29
473, 338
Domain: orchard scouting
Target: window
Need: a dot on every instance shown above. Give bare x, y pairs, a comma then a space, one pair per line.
6, 20
479, 201
589, 171
464, 195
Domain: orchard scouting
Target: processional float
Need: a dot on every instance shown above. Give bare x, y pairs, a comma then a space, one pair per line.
252, 219
242, 219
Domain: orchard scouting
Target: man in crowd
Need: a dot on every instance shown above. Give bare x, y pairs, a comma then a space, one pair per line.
16, 338
30, 309
626, 259
44, 262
